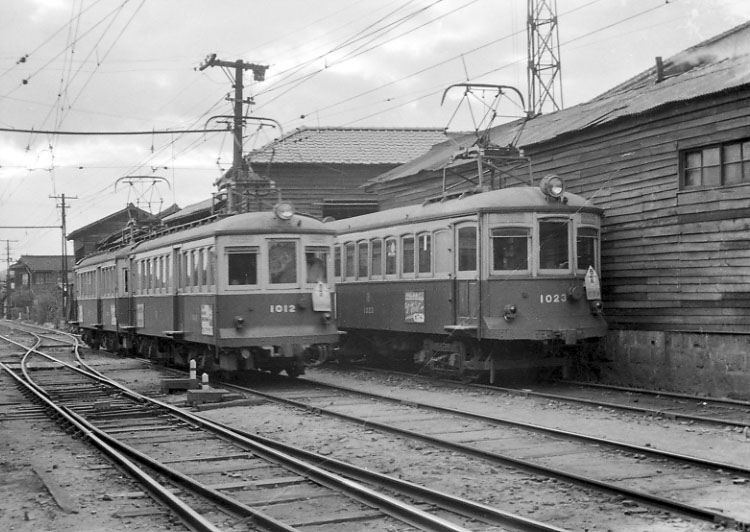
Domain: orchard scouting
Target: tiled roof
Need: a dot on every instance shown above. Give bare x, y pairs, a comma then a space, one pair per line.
717, 65
342, 145
43, 263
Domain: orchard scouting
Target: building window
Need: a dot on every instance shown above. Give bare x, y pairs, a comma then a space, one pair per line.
716, 166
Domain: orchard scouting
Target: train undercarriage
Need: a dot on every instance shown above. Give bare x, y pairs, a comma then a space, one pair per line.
210, 359
469, 359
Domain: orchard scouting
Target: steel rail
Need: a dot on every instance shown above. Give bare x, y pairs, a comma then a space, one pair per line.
645, 391
158, 492
615, 406
388, 505
615, 444
447, 501
652, 500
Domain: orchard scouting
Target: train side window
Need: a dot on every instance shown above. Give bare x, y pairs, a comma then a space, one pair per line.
467, 249
376, 258
242, 266
553, 245
510, 249
337, 261
349, 260
391, 255
316, 259
424, 253
363, 259
125, 280
587, 243
282, 261
407, 254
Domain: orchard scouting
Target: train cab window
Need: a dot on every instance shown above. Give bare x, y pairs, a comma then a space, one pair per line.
242, 266
363, 259
407, 254
282, 261
390, 256
424, 253
316, 259
349, 264
510, 249
587, 242
467, 249
553, 245
376, 258
337, 261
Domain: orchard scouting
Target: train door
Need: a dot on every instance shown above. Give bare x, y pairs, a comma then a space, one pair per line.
99, 280
177, 282
466, 288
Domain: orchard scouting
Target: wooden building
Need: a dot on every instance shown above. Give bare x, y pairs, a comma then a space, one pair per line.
86, 239
322, 170
667, 155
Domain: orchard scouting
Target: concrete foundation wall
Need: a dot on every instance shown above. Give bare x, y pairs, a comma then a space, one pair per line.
716, 365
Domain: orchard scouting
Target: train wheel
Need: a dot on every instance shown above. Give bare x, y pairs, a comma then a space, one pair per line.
316, 355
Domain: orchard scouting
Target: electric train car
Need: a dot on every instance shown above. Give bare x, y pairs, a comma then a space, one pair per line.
474, 284
251, 291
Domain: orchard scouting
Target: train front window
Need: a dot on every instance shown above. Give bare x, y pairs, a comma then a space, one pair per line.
316, 259
587, 243
510, 249
282, 261
467, 249
553, 245
242, 266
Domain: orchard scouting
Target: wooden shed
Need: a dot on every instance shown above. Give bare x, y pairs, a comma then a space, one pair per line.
322, 170
667, 155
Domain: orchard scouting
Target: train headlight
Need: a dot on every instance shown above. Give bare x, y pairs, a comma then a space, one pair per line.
239, 322
283, 211
552, 186
597, 308
509, 312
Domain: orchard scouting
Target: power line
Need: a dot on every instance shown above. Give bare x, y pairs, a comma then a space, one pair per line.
111, 133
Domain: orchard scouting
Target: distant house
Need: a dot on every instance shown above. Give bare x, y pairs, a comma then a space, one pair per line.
39, 272
322, 170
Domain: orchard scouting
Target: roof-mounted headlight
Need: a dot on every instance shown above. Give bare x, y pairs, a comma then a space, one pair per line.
552, 186
283, 211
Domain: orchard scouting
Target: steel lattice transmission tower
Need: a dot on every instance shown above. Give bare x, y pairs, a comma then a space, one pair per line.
544, 73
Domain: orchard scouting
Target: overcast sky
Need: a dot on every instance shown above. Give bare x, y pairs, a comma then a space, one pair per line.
132, 65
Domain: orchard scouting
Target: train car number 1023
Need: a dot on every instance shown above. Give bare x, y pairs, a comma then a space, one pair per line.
553, 298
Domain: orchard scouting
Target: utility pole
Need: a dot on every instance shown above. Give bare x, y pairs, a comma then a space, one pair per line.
239, 167
64, 283
7, 278
544, 72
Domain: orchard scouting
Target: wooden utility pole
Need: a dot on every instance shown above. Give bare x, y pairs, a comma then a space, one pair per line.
239, 168
64, 269
8, 289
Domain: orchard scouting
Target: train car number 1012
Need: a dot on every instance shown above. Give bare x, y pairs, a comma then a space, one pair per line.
283, 308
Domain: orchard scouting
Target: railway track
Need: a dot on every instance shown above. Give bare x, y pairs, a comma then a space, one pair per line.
226, 479
702, 489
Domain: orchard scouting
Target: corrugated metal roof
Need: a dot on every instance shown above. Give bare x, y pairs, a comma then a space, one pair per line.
719, 64
341, 145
